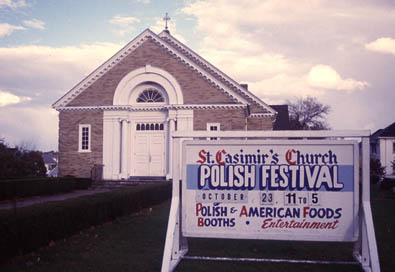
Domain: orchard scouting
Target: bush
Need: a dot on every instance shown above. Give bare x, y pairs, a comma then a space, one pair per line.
387, 184
35, 226
44, 186
376, 171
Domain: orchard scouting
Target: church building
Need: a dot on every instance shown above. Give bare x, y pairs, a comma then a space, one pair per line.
121, 117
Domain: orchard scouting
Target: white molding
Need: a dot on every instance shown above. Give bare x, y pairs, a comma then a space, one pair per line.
275, 134
130, 47
155, 107
126, 87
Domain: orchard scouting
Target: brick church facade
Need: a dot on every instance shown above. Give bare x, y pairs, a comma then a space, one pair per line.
122, 115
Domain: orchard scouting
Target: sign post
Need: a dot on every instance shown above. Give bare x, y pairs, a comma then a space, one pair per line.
273, 189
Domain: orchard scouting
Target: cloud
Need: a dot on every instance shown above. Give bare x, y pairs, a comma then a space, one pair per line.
124, 24
159, 26
123, 20
324, 76
7, 29
35, 125
143, 1
34, 23
38, 76
34, 70
12, 4
7, 98
382, 45
277, 49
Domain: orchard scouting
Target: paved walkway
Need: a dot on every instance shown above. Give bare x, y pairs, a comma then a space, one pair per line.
10, 204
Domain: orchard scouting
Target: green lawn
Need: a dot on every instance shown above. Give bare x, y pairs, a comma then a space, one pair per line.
135, 243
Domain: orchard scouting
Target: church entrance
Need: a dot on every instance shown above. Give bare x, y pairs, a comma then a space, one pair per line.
149, 150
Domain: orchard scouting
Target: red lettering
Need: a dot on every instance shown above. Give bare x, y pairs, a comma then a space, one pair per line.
266, 222
288, 156
305, 211
202, 156
200, 222
218, 157
243, 211
198, 208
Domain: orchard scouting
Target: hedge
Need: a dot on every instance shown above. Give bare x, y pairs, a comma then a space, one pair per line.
35, 226
43, 186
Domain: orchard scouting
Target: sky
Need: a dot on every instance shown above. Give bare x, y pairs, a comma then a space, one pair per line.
340, 52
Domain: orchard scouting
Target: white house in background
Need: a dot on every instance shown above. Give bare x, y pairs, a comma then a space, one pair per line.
51, 163
382, 147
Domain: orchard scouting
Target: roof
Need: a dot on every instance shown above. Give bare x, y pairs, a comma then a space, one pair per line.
384, 132
388, 131
183, 54
50, 157
282, 120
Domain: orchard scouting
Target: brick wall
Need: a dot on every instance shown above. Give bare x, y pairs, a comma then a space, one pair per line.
72, 162
229, 120
195, 89
259, 123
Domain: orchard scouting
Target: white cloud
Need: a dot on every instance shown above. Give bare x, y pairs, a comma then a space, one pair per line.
324, 76
274, 45
37, 125
12, 4
7, 29
123, 20
37, 69
159, 26
143, 1
43, 74
124, 24
34, 23
7, 98
382, 45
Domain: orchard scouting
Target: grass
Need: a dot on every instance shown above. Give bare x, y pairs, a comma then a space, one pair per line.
135, 243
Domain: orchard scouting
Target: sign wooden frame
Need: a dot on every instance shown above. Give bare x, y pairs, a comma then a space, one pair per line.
365, 247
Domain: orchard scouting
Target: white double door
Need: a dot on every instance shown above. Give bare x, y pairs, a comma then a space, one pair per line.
149, 153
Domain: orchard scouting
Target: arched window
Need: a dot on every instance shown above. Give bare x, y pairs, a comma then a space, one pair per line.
150, 96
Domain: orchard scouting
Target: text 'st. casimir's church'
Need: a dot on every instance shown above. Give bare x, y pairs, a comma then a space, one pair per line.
123, 114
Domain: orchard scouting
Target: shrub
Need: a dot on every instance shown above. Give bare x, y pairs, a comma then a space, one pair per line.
35, 226
387, 184
44, 186
376, 171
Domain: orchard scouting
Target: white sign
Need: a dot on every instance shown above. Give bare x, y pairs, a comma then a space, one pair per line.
282, 190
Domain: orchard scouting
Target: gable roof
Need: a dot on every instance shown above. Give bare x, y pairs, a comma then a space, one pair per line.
386, 132
183, 54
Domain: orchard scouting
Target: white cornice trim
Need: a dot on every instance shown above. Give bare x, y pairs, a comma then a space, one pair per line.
154, 108
213, 70
130, 47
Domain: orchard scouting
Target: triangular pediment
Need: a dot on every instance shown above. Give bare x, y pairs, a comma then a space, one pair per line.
184, 55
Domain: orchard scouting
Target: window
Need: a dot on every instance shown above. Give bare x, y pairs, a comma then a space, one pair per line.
150, 96
393, 148
213, 127
150, 126
84, 135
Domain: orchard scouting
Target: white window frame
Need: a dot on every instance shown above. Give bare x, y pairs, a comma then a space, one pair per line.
80, 130
209, 125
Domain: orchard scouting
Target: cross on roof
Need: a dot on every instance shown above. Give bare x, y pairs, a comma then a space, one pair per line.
166, 18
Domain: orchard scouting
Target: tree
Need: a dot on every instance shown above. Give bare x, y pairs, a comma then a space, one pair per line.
18, 163
308, 114
376, 170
